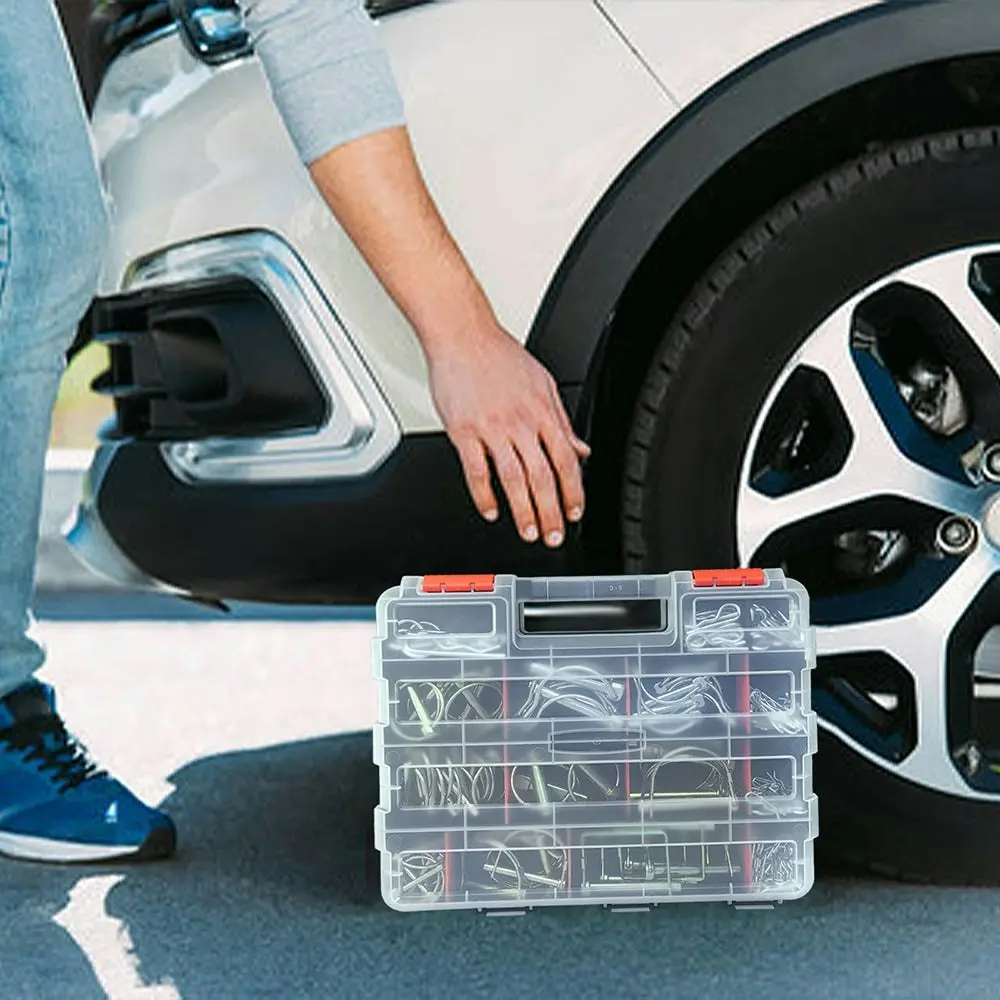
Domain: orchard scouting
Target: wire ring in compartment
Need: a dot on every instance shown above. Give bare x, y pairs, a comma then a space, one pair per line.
472, 691
428, 710
718, 782
450, 785
424, 871
718, 629
582, 689
553, 860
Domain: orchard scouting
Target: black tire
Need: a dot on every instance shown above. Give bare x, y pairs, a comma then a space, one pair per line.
716, 364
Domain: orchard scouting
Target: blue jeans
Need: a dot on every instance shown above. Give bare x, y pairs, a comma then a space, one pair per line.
53, 229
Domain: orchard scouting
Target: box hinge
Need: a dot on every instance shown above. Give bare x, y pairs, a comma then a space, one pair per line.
479, 583
729, 578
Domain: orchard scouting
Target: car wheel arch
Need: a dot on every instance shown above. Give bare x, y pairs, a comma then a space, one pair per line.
710, 172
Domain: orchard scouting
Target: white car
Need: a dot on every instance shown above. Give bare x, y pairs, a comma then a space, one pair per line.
757, 242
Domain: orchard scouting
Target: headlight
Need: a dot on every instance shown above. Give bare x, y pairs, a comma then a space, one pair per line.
213, 30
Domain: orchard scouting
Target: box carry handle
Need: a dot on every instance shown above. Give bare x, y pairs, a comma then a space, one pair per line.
598, 617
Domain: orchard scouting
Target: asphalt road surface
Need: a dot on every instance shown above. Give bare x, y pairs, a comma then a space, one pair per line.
254, 734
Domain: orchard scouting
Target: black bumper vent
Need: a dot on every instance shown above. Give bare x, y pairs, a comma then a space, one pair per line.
203, 359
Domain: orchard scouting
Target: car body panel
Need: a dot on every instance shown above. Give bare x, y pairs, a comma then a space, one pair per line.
558, 159
692, 44
710, 133
515, 169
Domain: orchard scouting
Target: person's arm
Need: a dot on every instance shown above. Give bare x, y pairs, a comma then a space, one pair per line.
332, 83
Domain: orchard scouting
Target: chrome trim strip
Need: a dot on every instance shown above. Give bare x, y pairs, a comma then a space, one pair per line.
90, 541
360, 432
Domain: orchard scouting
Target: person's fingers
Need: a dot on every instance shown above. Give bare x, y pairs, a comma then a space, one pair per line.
579, 445
544, 490
566, 463
515, 486
477, 476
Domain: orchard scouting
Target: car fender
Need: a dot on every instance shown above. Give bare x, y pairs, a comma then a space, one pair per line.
718, 124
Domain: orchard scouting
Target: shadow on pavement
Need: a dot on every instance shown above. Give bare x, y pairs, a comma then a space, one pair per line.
291, 822
275, 893
34, 949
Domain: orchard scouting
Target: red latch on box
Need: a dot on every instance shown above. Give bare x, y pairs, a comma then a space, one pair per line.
459, 584
729, 578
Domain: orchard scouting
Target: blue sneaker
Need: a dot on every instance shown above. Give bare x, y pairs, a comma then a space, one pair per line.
55, 804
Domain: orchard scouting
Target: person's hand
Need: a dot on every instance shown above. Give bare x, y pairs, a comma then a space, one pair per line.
497, 403
500, 405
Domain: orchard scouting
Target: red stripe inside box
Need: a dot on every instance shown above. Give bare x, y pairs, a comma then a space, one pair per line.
628, 712
447, 865
743, 690
506, 756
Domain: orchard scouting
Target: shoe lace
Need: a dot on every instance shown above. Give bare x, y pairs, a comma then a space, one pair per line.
44, 739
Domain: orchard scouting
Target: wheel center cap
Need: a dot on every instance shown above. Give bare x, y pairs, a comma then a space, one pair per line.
991, 522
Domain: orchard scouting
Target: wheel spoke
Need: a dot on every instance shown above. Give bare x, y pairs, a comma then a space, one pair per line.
939, 613
875, 462
874, 465
760, 516
829, 350
947, 278
918, 641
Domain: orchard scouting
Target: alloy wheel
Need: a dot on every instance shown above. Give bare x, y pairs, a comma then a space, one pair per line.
873, 477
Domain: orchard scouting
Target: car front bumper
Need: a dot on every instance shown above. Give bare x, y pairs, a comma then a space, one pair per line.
253, 457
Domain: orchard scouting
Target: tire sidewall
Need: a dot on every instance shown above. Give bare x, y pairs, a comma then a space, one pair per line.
715, 370
739, 330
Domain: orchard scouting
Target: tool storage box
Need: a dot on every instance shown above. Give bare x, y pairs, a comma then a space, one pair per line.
625, 741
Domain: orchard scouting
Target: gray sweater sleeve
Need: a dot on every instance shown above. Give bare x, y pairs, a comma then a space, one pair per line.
329, 75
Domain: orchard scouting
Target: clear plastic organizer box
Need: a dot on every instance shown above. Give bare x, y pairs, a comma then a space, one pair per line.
625, 741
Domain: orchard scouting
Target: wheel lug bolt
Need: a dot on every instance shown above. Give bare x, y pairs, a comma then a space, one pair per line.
956, 535
990, 463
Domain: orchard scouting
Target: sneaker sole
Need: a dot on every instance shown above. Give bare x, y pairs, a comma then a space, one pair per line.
161, 843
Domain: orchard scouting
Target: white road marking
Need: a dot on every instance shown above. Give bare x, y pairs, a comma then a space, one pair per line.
106, 942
